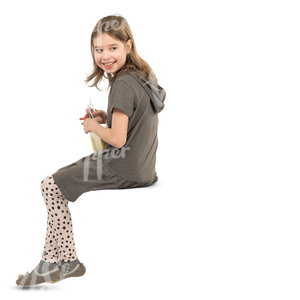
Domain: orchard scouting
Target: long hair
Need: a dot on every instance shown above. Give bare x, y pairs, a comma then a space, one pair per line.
133, 61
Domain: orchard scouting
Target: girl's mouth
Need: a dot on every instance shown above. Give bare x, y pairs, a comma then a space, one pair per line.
109, 66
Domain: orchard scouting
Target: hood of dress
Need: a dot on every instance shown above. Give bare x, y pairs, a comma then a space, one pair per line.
157, 95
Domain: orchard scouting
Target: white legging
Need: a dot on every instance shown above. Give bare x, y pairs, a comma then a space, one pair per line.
59, 241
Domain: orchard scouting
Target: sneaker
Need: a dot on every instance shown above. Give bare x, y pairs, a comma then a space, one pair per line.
43, 272
71, 269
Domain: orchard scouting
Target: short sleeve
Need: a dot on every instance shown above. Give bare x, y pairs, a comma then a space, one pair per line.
123, 97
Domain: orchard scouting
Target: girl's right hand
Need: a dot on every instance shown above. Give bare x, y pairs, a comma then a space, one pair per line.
100, 115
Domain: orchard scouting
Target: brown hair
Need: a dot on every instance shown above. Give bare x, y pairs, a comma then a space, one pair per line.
133, 61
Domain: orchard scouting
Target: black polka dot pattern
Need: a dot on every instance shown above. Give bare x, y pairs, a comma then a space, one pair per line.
59, 241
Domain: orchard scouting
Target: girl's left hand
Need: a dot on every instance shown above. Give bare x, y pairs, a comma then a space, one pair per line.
88, 124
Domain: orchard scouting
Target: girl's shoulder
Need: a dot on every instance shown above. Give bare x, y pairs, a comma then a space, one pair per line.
128, 75
134, 79
135, 85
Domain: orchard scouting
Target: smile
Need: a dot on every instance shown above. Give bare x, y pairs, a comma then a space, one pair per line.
109, 65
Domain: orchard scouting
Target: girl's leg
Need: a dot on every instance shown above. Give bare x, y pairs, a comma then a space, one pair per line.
59, 241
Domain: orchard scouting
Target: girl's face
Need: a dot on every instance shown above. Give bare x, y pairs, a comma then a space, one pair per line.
110, 50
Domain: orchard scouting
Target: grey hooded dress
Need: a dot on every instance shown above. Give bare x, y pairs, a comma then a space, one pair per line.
131, 166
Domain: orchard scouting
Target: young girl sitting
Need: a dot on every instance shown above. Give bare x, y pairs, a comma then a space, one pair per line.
129, 155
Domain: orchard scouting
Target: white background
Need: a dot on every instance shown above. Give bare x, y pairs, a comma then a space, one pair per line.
222, 222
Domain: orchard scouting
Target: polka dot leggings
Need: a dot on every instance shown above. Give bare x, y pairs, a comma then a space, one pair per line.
59, 242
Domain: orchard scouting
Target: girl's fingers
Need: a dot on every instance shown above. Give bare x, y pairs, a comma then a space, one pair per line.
85, 117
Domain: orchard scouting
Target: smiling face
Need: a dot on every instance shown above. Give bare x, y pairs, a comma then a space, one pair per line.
110, 50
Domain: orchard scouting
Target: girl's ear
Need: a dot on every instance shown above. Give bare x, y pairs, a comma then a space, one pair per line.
129, 45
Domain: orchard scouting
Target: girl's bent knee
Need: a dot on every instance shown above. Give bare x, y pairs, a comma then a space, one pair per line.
46, 183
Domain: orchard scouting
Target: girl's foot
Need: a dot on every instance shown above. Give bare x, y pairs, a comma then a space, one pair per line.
51, 272
71, 269
43, 272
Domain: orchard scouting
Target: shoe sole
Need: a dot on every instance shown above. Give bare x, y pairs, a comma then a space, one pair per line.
39, 283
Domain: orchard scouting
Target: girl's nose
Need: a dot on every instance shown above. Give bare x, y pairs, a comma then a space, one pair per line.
106, 55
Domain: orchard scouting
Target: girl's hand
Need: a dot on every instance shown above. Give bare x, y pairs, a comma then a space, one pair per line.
100, 116
87, 114
88, 125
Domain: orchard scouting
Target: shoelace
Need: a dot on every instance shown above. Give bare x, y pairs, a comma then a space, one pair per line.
21, 276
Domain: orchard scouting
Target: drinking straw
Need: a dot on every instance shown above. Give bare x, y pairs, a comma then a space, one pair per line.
90, 108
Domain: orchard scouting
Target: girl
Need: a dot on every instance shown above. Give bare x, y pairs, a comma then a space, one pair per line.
129, 155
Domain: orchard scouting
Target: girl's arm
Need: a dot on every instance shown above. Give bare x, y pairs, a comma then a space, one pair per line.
116, 135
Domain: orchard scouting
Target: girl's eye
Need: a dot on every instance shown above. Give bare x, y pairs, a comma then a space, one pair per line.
101, 49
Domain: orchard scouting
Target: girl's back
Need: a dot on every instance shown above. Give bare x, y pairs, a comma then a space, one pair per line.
141, 101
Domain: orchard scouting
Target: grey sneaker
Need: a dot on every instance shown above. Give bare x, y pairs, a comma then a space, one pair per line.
43, 272
71, 269
51, 273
